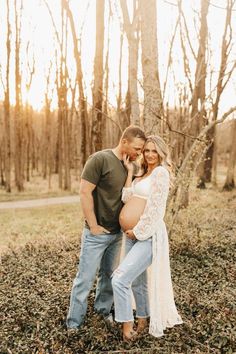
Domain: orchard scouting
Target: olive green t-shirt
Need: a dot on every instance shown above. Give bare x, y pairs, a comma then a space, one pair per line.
108, 173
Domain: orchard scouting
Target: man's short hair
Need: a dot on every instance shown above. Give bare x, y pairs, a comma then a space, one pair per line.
133, 131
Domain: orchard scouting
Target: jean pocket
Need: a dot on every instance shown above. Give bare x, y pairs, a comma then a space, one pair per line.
100, 238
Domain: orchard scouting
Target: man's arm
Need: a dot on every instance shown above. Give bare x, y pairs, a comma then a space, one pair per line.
86, 198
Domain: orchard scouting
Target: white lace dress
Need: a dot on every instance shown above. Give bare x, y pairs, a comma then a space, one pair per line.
163, 312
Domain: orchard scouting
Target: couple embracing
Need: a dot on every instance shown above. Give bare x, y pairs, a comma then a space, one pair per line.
113, 200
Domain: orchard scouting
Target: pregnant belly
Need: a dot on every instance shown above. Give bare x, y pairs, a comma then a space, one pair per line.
131, 212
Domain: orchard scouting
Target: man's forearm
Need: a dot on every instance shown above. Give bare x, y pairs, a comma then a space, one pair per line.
88, 209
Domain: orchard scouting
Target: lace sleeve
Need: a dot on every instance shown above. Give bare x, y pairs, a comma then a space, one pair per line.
156, 204
127, 193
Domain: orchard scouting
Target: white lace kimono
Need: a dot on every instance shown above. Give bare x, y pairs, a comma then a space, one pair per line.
163, 312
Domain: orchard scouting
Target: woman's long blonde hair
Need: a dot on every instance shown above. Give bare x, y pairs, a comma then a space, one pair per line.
162, 150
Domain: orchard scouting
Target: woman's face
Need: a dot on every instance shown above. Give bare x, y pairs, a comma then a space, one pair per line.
150, 154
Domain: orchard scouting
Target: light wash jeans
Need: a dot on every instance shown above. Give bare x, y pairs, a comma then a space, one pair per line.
100, 252
132, 272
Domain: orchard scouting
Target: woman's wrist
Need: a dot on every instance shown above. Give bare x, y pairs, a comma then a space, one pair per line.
130, 173
128, 182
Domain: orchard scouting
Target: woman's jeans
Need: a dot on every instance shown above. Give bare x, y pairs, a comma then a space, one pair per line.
132, 272
100, 252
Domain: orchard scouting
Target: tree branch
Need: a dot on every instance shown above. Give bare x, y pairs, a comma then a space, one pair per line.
192, 148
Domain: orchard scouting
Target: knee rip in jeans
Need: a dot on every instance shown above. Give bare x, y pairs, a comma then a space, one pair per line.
118, 272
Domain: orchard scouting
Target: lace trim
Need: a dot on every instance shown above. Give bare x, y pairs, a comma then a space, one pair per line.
127, 193
156, 329
156, 204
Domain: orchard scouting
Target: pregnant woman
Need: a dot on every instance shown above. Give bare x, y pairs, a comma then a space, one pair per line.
146, 245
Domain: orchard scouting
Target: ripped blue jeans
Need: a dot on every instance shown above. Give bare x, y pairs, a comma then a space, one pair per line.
131, 275
98, 253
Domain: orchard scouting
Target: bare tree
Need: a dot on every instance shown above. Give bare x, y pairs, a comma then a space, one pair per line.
119, 97
131, 30
7, 108
19, 173
198, 113
224, 76
28, 113
47, 155
82, 100
63, 134
2, 167
198, 90
66, 125
97, 117
230, 181
175, 195
151, 82
105, 123
63, 145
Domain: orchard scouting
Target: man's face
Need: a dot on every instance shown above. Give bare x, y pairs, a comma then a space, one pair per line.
133, 148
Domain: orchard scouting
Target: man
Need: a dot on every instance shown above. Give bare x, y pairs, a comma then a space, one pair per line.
101, 185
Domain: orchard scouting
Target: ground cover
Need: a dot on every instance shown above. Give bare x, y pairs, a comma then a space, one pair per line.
38, 187
41, 225
36, 280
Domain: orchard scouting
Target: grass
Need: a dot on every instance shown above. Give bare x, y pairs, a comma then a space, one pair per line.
208, 221
40, 249
36, 280
39, 188
39, 225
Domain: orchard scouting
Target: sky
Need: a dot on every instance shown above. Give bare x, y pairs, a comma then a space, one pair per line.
37, 30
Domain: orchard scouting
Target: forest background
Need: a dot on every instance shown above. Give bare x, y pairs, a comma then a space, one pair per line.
73, 75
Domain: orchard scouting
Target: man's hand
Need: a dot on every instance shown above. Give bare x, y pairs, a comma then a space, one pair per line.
130, 234
98, 230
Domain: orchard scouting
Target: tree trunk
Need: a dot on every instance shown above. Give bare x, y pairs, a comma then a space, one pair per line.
47, 136
28, 132
7, 109
230, 182
84, 147
67, 180
153, 105
223, 78
2, 180
105, 122
212, 176
64, 107
131, 29
18, 107
59, 151
198, 114
96, 131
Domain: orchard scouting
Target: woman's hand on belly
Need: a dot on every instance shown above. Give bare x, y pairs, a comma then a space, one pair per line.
130, 234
